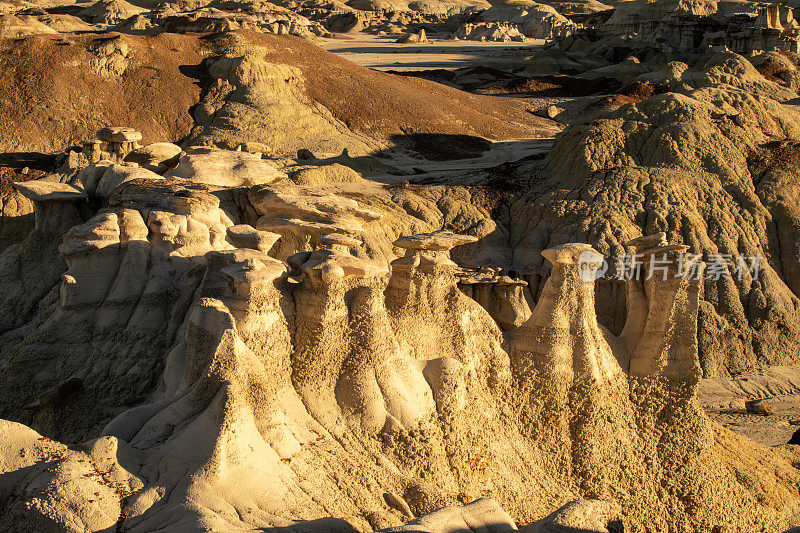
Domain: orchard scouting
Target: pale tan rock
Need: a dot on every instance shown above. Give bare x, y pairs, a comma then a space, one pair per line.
271, 106
50, 191
12, 26
110, 11
302, 215
246, 236
502, 296
333, 262
596, 516
437, 241
333, 173
63, 489
116, 175
158, 157
225, 168
666, 344
483, 514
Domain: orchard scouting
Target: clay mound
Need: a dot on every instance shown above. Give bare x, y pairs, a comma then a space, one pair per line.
323, 98
367, 102
57, 95
685, 163
12, 26
65, 23
111, 11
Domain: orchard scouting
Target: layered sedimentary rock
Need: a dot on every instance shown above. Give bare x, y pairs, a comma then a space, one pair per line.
353, 386
693, 26
515, 22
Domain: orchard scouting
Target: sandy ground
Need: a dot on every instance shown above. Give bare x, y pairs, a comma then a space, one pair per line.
383, 53
724, 400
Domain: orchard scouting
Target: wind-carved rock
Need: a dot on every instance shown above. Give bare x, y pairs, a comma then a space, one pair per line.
248, 282
31, 268
301, 216
55, 203
502, 295
562, 339
383, 357
661, 330
119, 142
342, 336
567, 376
435, 321
107, 258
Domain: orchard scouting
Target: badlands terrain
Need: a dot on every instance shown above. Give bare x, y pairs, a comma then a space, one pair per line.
440, 266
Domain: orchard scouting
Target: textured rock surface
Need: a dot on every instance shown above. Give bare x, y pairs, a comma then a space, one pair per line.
249, 331
240, 391
682, 163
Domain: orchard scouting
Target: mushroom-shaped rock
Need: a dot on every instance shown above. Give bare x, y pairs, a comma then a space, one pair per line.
250, 270
501, 295
226, 168
50, 191
664, 249
53, 203
562, 339
331, 263
120, 141
579, 254
93, 150
427, 251
246, 236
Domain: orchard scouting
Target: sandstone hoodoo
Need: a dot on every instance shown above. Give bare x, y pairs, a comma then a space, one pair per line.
433, 266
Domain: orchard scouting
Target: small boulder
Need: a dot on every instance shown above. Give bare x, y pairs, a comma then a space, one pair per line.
157, 157
758, 407
586, 516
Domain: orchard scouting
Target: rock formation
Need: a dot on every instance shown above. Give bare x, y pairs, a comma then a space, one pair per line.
692, 26
285, 292
259, 356
516, 21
